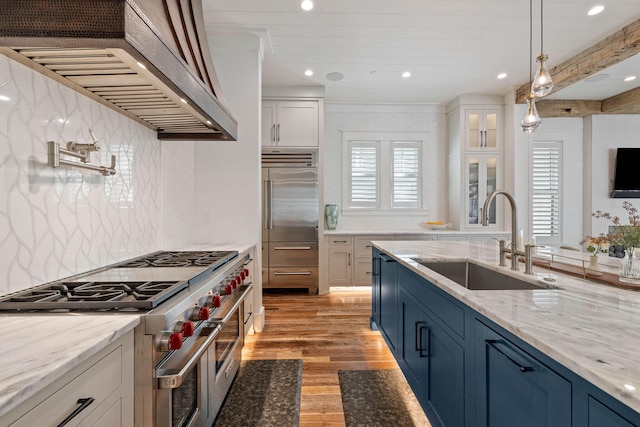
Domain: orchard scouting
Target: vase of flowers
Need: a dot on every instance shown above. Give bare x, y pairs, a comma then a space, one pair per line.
627, 236
596, 246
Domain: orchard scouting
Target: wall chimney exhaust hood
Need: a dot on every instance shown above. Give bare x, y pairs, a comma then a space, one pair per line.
147, 59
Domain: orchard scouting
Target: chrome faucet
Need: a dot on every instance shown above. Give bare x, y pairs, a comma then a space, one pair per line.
527, 254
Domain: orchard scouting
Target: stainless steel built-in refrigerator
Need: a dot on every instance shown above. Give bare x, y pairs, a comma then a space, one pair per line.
289, 219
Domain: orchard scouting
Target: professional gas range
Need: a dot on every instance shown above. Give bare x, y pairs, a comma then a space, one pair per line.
188, 343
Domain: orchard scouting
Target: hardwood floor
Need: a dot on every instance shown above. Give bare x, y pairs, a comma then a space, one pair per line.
329, 333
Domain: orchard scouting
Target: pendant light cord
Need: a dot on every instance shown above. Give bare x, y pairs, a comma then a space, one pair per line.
541, 27
530, 40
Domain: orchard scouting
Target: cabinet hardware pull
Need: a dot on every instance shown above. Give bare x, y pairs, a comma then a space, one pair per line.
84, 404
292, 248
302, 273
273, 133
521, 367
278, 133
420, 327
339, 241
369, 246
349, 259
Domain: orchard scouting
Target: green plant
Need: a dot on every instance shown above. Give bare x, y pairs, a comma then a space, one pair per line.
625, 235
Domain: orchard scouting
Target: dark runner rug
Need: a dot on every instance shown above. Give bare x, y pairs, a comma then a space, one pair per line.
265, 393
379, 398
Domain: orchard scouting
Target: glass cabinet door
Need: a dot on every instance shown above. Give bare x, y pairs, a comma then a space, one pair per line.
482, 130
490, 129
482, 180
473, 130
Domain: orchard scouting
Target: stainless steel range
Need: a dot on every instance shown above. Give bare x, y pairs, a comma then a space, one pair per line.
189, 341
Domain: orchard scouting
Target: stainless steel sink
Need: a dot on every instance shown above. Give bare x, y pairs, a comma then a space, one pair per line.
476, 277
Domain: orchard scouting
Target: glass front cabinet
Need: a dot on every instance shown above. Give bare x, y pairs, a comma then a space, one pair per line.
482, 178
481, 129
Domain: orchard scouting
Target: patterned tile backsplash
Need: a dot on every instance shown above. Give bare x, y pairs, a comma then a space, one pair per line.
55, 223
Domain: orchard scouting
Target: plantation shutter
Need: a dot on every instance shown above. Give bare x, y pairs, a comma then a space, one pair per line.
546, 186
406, 175
364, 174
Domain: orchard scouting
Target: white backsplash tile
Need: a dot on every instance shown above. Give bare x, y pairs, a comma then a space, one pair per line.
58, 222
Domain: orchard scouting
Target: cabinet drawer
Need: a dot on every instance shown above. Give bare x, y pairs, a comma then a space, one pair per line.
363, 244
97, 382
293, 254
340, 240
293, 277
362, 271
443, 307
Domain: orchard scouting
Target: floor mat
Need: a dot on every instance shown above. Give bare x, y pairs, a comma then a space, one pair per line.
379, 398
265, 393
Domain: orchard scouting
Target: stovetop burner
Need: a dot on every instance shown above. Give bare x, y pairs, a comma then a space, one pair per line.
139, 291
180, 259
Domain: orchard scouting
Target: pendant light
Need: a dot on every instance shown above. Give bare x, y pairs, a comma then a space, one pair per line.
542, 82
531, 120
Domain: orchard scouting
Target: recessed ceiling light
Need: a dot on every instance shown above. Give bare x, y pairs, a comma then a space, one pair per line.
306, 5
626, 79
308, 73
4, 98
406, 74
596, 78
595, 10
335, 76
502, 75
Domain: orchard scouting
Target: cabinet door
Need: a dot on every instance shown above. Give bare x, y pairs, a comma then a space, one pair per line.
482, 178
340, 266
362, 271
375, 288
601, 415
297, 124
482, 132
389, 301
433, 363
268, 123
516, 389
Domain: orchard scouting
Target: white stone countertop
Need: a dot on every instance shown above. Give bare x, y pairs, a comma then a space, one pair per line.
39, 349
415, 231
590, 328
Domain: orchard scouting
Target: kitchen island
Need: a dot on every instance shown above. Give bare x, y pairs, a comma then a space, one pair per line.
584, 333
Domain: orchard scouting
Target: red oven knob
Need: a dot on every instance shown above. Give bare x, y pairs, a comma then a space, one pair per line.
175, 341
169, 341
234, 283
246, 272
188, 328
242, 276
216, 300
199, 313
228, 289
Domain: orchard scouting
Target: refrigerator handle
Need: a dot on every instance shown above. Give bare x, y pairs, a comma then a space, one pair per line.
265, 204
270, 199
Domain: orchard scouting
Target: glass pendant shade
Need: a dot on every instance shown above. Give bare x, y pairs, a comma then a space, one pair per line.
531, 120
542, 83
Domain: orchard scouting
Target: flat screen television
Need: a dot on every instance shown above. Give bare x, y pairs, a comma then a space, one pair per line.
626, 181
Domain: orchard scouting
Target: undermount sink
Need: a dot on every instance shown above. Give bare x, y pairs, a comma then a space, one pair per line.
476, 277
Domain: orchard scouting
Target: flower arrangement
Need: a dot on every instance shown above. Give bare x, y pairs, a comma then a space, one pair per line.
627, 235
596, 245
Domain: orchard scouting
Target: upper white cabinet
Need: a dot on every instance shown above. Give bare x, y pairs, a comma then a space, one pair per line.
290, 123
482, 131
475, 127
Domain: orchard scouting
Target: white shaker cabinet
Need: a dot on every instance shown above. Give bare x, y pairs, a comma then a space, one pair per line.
481, 129
97, 393
290, 123
340, 260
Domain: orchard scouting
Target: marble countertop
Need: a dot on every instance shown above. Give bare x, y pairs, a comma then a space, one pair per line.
590, 328
414, 231
39, 349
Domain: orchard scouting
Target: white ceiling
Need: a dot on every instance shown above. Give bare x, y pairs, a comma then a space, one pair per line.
451, 47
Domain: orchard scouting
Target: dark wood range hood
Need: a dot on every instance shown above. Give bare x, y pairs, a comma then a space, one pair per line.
147, 59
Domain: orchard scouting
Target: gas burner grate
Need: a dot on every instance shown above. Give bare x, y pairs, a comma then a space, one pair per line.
181, 259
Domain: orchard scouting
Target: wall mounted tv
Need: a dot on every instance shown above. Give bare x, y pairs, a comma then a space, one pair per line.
626, 181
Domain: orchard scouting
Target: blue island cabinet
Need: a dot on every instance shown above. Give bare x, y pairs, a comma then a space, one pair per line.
385, 297
516, 389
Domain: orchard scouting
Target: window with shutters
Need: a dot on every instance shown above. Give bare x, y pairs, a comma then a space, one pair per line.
546, 191
382, 172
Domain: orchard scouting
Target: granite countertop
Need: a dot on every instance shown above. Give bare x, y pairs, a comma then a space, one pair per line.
39, 349
590, 328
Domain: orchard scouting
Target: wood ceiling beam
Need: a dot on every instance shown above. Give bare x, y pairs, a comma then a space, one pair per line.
567, 108
625, 103
619, 46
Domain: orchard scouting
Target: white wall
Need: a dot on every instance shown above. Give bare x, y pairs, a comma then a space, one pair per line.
55, 223
430, 119
603, 134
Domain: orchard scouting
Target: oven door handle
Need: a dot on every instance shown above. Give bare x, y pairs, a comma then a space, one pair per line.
174, 380
224, 319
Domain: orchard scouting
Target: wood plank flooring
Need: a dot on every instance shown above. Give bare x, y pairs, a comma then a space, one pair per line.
329, 333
